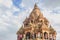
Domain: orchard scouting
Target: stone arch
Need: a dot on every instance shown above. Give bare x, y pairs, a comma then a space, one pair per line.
28, 35
45, 35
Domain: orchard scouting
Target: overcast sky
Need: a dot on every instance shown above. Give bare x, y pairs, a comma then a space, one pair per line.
13, 13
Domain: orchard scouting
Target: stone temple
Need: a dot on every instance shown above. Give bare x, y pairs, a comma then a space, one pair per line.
36, 27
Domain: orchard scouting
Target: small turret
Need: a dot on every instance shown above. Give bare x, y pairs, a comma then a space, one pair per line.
52, 33
51, 29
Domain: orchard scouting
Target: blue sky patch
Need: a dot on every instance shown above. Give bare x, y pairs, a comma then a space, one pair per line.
16, 2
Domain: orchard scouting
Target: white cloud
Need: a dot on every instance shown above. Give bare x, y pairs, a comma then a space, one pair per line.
7, 3
50, 3
15, 8
8, 22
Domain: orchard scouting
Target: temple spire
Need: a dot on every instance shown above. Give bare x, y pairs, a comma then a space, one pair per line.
36, 12
35, 6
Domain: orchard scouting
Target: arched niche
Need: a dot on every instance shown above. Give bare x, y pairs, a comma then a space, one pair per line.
28, 35
39, 35
33, 35
50, 36
45, 35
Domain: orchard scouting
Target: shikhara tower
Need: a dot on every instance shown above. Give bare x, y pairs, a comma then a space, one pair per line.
36, 27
